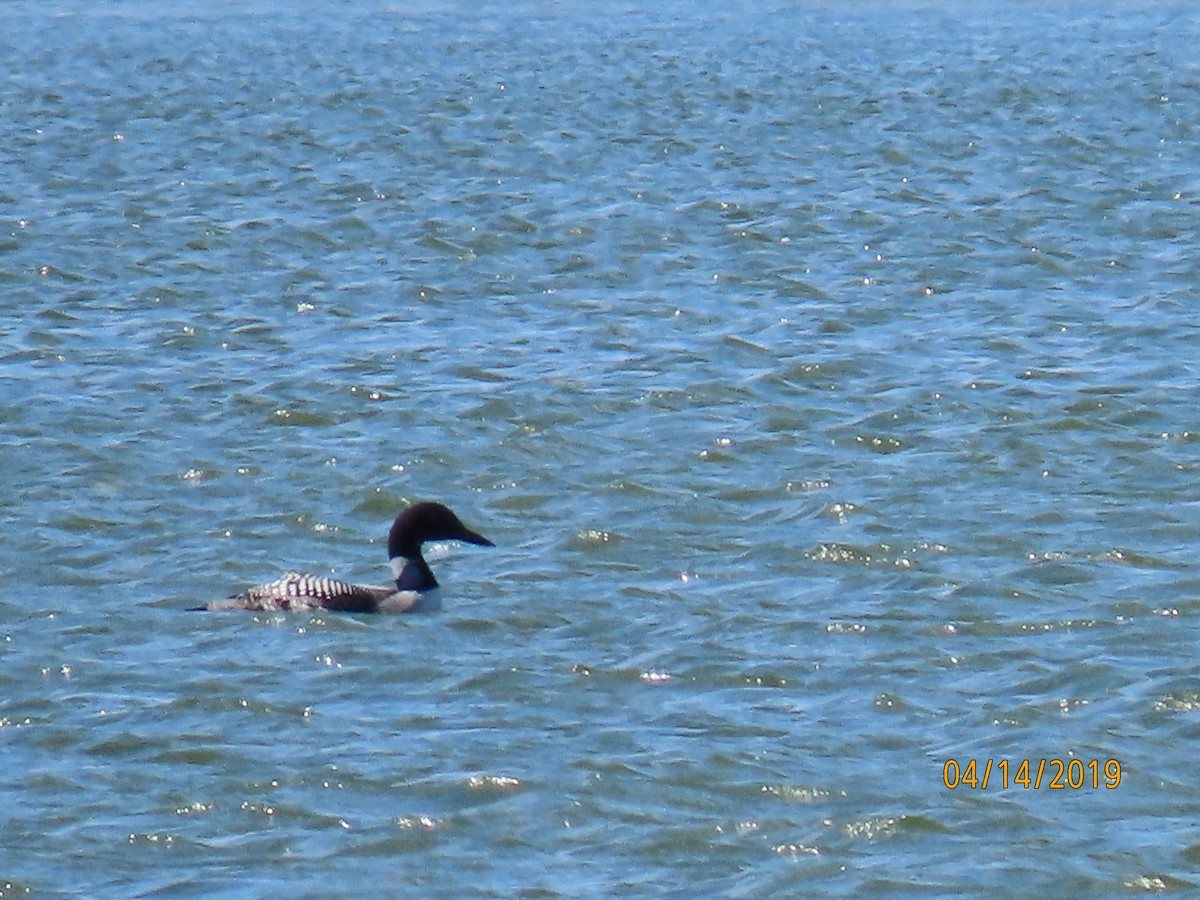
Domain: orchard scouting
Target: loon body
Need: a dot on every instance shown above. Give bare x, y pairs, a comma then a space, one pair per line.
415, 586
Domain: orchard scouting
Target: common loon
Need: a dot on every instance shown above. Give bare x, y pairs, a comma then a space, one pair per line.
415, 584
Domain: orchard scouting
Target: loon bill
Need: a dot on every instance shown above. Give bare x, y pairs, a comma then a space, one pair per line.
415, 585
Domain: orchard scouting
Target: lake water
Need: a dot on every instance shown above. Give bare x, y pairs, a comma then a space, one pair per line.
826, 379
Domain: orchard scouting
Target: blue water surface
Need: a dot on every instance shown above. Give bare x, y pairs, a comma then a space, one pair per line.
825, 376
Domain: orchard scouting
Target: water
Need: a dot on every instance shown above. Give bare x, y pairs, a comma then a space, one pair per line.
826, 380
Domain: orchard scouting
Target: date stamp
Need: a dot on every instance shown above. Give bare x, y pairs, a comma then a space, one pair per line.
1032, 774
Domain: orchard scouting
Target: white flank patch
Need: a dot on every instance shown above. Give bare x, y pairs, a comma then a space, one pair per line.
407, 601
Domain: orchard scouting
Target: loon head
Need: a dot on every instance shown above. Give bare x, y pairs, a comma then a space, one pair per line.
419, 523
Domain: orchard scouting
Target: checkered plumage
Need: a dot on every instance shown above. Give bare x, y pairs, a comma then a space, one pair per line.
296, 591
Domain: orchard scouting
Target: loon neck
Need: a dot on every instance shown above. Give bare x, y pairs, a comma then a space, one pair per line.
413, 573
